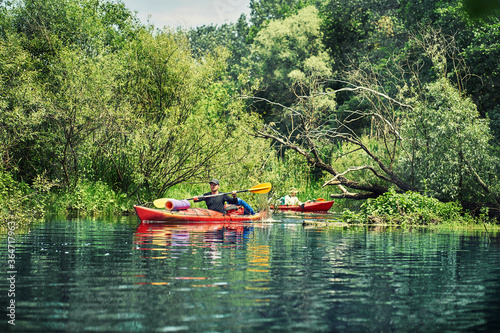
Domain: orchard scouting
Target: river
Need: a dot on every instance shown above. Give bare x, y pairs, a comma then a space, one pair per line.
116, 275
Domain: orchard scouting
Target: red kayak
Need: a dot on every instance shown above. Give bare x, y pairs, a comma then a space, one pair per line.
318, 206
194, 215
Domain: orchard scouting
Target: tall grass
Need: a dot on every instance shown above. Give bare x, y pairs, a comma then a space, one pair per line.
88, 199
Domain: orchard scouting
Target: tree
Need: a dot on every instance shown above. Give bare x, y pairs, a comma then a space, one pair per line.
92, 26
429, 127
474, 25
188, 123
449, 147
448, 152
232, 36
315, 131
22, 105
282, 47
64, 56
263, 12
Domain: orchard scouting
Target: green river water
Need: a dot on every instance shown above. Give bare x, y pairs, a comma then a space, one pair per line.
118, 275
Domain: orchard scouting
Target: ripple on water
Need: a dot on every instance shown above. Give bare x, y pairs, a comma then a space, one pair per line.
102, 276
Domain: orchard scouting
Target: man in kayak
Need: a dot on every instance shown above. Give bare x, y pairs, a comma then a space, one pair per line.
291, 199
217, 202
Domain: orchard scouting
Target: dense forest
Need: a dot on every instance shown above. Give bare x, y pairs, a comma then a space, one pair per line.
99, 111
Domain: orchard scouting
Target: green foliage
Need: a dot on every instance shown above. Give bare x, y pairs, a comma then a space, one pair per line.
19, 203
346, 155
22, 105
446, 142
190, 127
88, 199
346, 26
286, 51
101, 105
409, 208
87, 25
481, 46
264, 11
232, 36
392, 203
481, 9
128, 107
285, 172
61, 84
475, 27
287, 45
80, 111
160, 75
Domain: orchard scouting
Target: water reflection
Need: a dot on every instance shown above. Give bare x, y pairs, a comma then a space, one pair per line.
76, 276
183, 244
159, 236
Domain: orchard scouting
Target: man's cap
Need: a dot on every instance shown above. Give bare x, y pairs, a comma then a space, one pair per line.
293, 190
215, 181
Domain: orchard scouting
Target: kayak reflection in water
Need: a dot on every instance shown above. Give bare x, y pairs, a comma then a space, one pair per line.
217, 202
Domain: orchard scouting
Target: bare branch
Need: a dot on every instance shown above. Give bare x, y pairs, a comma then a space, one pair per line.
270, 102
365, 167
356, 88
355, 196
314, 130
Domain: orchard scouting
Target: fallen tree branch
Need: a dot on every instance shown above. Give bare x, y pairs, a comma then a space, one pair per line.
315, 160
365, 167
354, 196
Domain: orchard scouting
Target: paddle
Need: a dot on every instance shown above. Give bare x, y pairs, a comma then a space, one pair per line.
259, 189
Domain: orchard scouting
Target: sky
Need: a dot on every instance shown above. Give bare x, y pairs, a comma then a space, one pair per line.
188, 13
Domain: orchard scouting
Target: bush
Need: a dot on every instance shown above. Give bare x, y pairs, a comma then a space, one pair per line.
408, 208
89, 199
19, 203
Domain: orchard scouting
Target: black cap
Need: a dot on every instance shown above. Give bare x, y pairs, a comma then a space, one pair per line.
215, 181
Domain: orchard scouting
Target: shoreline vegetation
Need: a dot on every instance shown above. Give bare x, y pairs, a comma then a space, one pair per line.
490, 229
390, 210
392, 111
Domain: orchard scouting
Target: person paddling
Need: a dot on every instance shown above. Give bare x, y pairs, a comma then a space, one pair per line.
291, 199
217, 202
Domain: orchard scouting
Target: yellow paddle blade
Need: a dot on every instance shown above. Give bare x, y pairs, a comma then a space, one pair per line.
160, 203
261, 188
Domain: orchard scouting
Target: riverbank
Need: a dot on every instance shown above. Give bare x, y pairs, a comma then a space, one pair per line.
94, 199
491, 228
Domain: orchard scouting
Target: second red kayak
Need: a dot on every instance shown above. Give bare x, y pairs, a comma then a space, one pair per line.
318, 206
194, 215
